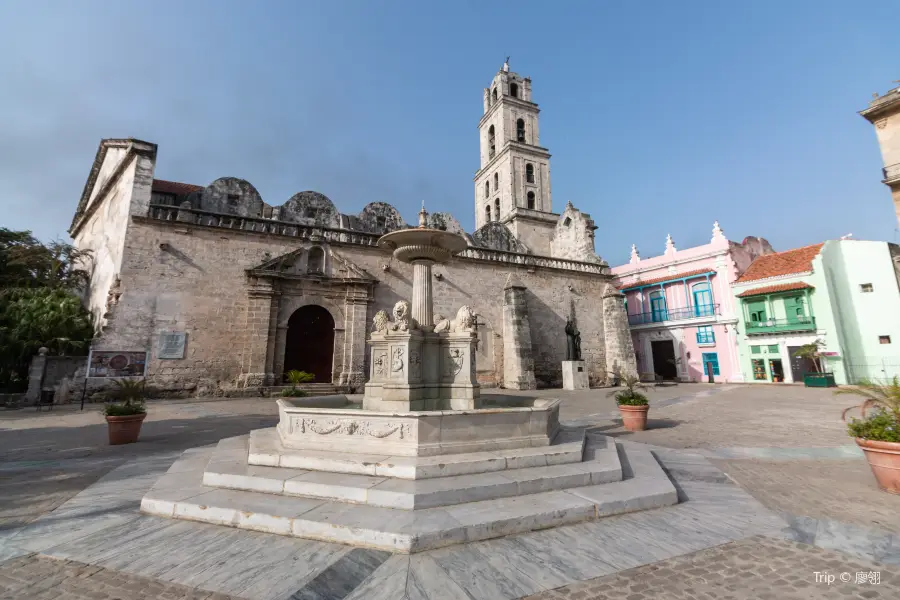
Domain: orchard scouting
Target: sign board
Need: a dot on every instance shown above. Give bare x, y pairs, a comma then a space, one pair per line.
171, 344
830, 354
117, 363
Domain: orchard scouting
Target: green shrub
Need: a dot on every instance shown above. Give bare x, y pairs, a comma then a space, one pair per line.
296, 377
880, 427
126, 398
883, 399
627, 398
293, 393
124, 410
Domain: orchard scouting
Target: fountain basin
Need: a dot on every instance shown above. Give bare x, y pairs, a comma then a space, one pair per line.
421, 243
418, 433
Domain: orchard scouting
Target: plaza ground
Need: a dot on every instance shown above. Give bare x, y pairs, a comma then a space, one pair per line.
784, 447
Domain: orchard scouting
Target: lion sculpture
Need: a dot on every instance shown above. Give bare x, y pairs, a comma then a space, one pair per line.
380, 322
402, 320
464, 321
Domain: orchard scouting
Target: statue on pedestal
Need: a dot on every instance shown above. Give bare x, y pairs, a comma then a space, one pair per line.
573, 341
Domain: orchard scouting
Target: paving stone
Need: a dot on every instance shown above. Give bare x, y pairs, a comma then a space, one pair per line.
35, 577
780, 570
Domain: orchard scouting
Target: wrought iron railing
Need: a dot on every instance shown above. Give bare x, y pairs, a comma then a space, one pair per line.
891, 172
781, 325
674, 314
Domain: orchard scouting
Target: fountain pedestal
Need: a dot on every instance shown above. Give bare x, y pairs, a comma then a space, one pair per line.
414, 363
419, 370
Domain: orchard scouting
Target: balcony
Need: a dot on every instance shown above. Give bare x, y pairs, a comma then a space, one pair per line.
891, 173
662, 315
781, 325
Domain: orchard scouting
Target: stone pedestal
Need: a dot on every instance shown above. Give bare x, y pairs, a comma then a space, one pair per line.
395, 372
419, 370
458, 386
575, 376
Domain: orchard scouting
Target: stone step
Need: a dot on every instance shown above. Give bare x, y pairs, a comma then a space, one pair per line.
265, 449
179, 494
227, 469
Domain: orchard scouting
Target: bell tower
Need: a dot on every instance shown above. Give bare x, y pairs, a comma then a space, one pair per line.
512, 185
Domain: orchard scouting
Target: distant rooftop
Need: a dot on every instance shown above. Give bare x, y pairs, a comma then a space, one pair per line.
789, 262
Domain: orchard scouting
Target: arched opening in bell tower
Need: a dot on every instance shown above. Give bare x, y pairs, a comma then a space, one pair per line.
520, 130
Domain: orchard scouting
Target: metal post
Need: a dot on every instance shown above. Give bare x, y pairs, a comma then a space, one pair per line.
83, 391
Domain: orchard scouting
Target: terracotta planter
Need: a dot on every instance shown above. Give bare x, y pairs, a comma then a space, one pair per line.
124, 430
634, 418
884, 460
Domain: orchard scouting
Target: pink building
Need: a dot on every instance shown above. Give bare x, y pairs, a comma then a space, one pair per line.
681, 310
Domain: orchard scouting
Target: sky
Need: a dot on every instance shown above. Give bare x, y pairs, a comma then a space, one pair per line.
661, 117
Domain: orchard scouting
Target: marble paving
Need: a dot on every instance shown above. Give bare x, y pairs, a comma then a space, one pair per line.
103, 526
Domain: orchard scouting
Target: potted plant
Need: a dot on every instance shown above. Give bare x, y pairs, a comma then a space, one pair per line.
633, 405
297, 377
813, 352
878, 432
126, 412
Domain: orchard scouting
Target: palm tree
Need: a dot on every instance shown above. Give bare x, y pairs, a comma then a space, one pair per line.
884, 395
811, 351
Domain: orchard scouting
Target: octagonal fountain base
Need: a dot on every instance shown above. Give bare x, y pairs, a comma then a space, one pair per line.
535, 422
410, 481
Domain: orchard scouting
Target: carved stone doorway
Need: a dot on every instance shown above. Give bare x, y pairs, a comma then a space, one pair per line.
309, 344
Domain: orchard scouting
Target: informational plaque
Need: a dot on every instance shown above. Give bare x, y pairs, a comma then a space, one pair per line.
171, 344
115, 363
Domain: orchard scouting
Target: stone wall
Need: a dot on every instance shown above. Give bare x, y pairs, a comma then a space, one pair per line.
48, 372
573, 237
194, 279
101, 225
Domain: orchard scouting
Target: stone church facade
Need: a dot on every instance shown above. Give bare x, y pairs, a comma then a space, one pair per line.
260, 289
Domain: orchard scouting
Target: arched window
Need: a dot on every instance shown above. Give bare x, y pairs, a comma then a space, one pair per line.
491, 145
487, 189
530, 200
316, 261
494, 96
529, 172
487, 214
497, 209
703, 300
496, 181
514, 90
520, 130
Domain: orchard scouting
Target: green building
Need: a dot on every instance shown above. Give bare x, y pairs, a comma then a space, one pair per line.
844, 294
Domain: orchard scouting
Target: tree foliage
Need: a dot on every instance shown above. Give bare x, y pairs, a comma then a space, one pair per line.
26, 262
39, 302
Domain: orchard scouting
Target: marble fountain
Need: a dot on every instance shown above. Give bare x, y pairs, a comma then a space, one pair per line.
423, 462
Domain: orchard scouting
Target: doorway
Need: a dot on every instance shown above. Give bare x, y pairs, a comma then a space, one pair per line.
800, 366
658, 307
664, 359
777, 370
309, 344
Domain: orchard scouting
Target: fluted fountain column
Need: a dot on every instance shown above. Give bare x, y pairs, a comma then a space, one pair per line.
421, 293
